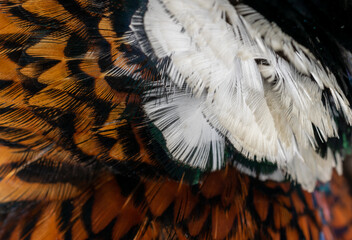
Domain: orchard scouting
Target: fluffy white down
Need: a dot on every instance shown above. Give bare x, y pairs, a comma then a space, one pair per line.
240, 87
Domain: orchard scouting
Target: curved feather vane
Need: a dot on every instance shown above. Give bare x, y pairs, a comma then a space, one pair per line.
106, 135
275, 84
191, 139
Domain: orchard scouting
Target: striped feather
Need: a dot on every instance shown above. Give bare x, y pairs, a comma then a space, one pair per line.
80, 98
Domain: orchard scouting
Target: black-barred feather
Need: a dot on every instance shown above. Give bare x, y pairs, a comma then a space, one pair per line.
158, 119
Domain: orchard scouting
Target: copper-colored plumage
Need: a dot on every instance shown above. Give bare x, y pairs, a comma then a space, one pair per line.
67, 167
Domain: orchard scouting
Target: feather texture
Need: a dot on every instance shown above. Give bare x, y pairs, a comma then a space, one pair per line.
234, 61
190, 138
84, 98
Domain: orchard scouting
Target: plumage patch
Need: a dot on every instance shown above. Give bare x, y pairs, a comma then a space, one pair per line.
189, 136
243, 79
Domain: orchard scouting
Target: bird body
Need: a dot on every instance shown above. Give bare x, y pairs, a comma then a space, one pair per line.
165, 119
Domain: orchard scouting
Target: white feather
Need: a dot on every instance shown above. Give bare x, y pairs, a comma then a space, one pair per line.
189, 137
302, 59
264, 104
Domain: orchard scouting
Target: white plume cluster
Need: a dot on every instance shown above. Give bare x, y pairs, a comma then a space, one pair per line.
268, 105
189, 137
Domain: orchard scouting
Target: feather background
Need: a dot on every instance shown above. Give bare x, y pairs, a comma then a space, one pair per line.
88, 108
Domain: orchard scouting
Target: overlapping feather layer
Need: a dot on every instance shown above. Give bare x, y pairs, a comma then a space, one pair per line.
228, 73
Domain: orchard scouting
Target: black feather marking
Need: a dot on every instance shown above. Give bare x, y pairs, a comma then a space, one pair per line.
124, 84
106, 141
23, 14
130, 145
5, 83
131, 233
47, 171
65, 219
76, 46
15, 55
127, 184
102, 110
32, 85
122, 15
87, 215
105, 58
29, 226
